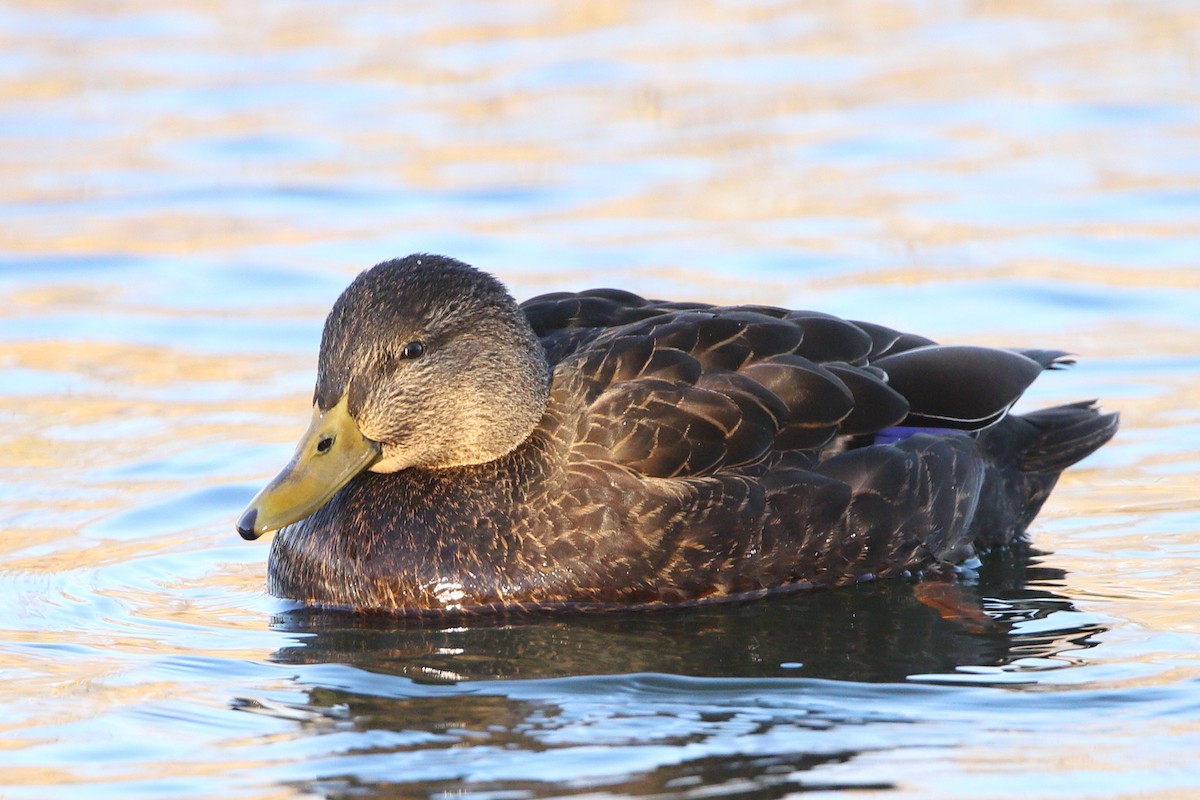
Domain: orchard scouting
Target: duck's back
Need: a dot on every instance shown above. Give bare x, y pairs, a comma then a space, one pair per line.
747, 448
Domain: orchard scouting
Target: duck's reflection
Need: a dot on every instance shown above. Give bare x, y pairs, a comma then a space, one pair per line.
875, 633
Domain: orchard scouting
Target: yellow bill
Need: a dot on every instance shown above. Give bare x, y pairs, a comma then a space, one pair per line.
331, 452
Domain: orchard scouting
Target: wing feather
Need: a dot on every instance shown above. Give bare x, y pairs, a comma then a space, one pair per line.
961, 387
687, 389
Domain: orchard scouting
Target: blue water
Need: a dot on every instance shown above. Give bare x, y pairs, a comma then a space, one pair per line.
187, 190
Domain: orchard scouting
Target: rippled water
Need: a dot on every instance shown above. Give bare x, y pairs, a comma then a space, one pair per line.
187, 189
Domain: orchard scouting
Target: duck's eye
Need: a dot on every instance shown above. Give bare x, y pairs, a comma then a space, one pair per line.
413, 350
324, 445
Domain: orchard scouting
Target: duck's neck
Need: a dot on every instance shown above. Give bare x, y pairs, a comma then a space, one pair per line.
421, 539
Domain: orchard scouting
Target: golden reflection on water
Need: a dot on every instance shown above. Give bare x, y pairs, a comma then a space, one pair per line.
499, 124
71, 454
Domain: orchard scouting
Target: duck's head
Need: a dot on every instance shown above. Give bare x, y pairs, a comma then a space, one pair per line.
425, 362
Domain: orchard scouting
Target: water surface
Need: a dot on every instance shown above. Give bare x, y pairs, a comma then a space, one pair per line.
187, 189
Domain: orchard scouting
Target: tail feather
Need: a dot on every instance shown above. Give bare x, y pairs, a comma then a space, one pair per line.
1065, 435
1028, 452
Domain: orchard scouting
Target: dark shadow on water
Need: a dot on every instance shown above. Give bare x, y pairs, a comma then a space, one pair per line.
877, 634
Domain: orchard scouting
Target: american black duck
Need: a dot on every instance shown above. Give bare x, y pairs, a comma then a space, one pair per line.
596, 450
